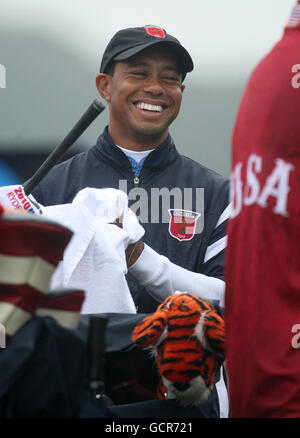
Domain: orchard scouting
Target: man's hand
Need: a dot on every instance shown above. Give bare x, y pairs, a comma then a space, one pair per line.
4, 211
134, 250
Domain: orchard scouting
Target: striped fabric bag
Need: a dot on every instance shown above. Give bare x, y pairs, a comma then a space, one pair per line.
30, 250
62, 305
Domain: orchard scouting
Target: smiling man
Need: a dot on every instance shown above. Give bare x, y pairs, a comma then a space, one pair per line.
182, 205
144, 94
141, 78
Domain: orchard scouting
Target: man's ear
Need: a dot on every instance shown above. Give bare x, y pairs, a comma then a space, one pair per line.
103, 85
182, 88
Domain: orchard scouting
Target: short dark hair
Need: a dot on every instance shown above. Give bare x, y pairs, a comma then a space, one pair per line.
110, 68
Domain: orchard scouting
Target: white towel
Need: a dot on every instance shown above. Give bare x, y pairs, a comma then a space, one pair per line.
95, 258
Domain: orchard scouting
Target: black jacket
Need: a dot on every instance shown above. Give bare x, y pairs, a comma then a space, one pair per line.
105, 165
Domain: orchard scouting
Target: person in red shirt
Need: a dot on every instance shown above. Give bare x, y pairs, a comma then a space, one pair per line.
262, 304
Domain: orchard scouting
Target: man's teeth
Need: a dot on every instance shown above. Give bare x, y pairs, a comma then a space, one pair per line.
149, 107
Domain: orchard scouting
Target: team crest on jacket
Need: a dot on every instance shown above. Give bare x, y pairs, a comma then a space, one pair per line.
182, 224
155, 31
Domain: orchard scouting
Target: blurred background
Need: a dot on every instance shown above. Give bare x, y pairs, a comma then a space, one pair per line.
50, 52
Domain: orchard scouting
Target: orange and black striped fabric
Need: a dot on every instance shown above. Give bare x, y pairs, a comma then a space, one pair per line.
186, 336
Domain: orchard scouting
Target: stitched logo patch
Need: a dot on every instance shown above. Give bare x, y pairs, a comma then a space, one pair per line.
182, 224
155, 31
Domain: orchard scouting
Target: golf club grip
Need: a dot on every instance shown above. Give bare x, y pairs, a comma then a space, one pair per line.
83, 123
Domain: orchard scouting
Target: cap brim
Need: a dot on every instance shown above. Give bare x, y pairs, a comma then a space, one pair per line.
182, 54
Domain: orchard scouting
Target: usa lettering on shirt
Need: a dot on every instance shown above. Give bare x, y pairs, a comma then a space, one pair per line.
253, 191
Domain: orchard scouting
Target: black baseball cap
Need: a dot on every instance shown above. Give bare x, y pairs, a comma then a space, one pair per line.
129, 42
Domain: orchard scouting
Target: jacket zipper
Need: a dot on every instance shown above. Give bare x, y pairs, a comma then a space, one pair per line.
136, 181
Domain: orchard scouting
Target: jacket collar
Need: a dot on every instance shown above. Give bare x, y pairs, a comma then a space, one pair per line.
161, 157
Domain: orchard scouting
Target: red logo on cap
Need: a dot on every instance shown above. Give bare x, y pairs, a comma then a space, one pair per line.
155, 31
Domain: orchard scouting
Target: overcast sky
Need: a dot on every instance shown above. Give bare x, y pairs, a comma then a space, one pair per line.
52, 51
222, 35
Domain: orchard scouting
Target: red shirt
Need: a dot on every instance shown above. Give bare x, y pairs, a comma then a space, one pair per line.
262, 305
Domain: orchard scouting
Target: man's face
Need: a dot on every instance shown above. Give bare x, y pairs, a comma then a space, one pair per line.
144, 96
